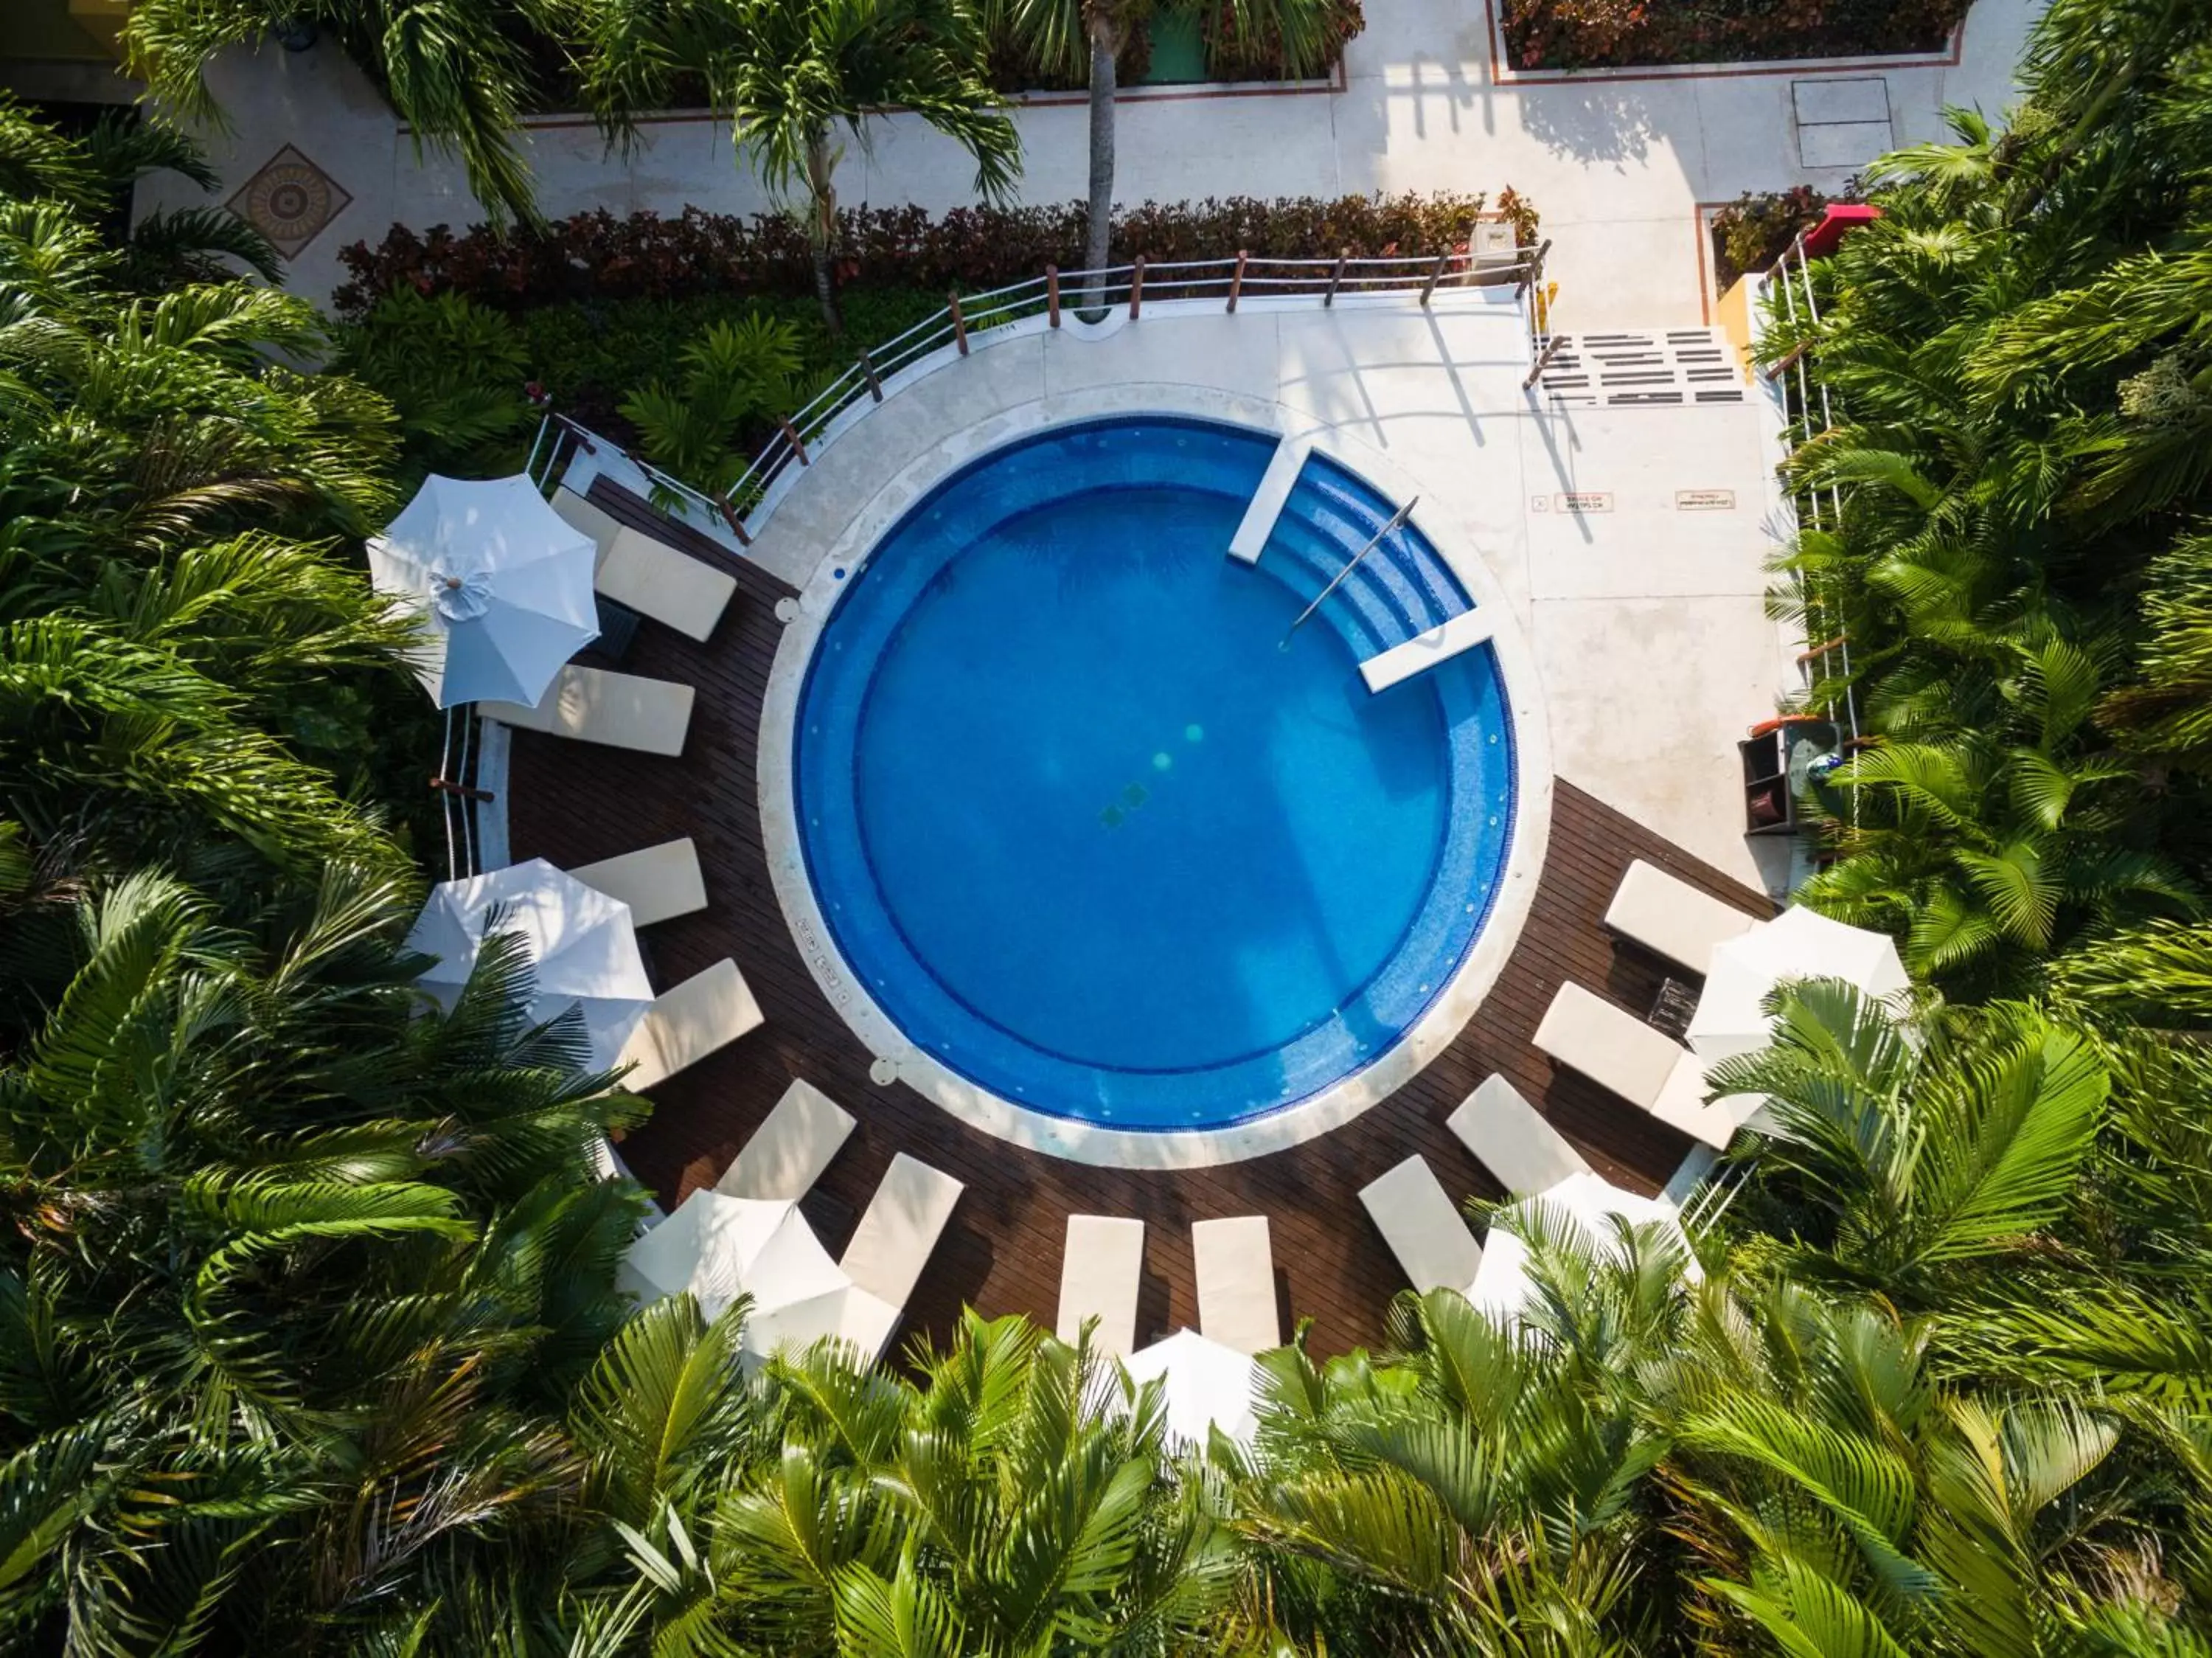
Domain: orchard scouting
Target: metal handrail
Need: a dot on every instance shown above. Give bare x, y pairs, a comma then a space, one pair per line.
964, 316
1100, 289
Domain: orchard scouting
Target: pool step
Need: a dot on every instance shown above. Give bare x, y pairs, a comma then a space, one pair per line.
1267, 501
1439, 644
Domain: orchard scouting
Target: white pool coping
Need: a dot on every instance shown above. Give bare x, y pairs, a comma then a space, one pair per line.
1087, 1142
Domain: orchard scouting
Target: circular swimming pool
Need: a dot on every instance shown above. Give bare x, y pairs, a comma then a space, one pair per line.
1098, 828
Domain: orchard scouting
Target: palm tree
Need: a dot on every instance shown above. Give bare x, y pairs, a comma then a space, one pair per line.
1893, 1157
296, 1281
1001, 1505
1481, 1494
453, 69
791, 72
1086, 37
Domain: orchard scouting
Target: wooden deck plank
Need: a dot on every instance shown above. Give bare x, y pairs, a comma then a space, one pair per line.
574, 803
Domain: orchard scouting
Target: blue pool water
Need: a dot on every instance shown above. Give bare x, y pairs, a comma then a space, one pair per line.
1086, 830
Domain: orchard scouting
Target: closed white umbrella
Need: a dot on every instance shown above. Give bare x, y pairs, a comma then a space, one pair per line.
718, 1248
1799, 943
702, 1247
582, 946
501, 582
1209, 1385
1586, 1203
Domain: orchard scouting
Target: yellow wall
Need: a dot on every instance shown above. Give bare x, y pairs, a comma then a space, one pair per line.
75, 31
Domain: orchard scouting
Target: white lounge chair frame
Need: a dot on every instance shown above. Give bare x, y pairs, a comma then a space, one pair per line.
1672, 918
1101, 1273
1236, 1265
707, 1012
649, 575
788, 1151
659, 883
591, 705
1511, 1139
1419, 1222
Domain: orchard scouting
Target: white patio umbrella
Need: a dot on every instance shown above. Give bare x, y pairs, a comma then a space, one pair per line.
1799, 943
720, 1248
503, 583
582, 945
1586, 1202
1209, 1385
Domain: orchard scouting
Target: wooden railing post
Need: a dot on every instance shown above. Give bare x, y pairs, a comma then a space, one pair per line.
1334, 278
791, 437
736, 524
1436, 275
1236, 278
868, 367
1532, 274
1136, 286
1543, 361
959, 323
1052, 294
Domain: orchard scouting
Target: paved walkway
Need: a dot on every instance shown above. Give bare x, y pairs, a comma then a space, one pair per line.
1617, 165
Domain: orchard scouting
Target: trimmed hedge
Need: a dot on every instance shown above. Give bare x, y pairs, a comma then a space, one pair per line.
598, 256
1619, 33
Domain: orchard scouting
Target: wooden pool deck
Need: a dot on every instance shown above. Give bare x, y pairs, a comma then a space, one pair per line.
574, 803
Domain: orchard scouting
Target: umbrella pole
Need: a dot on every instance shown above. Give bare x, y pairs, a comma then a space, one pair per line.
446, 801
461, 776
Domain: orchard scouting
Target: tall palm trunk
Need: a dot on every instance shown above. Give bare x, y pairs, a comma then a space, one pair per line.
1105, 47
821, 230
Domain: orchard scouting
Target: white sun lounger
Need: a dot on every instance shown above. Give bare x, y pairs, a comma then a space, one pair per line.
646, 574
592, 704
1666, 914
659, 883
1512, 1140
1100, 1272
904, 1219
1417, 1220
1236, 1283
707, 1011
788, 1151
1645, 1067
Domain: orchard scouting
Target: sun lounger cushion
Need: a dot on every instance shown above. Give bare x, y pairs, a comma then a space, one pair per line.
707, 1011
1236, 1283
1668, 916
647, 574
1609, 1044
659, 883
903, 1224
788, 1151
1099, 1275
1512, 1139
592, 704
1416, 1218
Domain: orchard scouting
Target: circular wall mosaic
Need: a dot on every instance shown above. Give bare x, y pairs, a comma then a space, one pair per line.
290, 201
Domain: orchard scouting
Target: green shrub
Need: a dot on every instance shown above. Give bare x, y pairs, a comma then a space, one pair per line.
1603, 33
598, 258
455, 371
